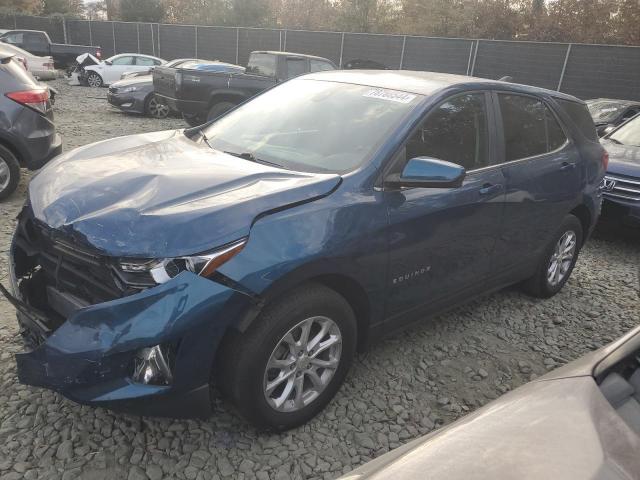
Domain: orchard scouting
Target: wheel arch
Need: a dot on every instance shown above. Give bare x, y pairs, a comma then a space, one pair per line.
11, 146
583, 214
226, 96
345, 285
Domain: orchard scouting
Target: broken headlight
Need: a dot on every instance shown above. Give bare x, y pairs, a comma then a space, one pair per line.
204, 264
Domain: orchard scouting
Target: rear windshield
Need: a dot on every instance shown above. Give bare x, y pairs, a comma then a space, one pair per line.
581, 117
604, 111
628, 134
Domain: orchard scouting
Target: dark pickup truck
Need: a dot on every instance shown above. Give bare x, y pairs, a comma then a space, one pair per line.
202, 96
38, 43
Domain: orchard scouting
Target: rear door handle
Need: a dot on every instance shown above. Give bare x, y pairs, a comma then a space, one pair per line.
566, 166
489, 189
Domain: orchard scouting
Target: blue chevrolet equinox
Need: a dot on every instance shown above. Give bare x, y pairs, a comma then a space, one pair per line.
260, 251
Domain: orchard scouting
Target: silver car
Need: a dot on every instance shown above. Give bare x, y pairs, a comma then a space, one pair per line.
581, 421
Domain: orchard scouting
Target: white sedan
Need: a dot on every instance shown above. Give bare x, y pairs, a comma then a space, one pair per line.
40, 67
110, 70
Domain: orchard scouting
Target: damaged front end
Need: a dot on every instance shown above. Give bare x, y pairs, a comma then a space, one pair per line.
104, 336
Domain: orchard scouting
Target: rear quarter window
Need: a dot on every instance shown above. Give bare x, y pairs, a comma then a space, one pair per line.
580, 115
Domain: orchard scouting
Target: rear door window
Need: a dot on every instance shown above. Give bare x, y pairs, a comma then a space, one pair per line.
456, 131
320, 66
14, 38
145, 62
34, 40
530, 128
296, 67
122, 61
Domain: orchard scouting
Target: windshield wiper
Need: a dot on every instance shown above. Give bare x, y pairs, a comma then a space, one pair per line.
252, 158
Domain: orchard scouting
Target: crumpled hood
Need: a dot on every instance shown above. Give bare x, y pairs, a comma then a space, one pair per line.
162, 195
623, 159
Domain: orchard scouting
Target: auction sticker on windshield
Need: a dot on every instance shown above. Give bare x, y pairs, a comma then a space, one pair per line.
391, 95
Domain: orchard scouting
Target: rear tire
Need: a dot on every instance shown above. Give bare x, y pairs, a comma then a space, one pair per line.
262, 370
9, 172
193, 120
94, 80
219, 109
558, 260
154, 108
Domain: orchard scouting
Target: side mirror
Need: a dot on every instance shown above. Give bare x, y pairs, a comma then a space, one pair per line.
108, 62
426, 172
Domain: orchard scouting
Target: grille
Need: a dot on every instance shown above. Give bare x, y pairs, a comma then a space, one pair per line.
623, 188
71, 267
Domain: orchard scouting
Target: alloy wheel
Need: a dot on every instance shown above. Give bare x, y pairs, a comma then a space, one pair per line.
561, 258
157, 109
302, 365
94, 80
5, 175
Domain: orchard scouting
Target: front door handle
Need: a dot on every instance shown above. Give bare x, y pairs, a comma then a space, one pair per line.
490, 189
566, 166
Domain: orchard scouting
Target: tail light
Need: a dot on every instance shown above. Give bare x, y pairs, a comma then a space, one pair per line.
605, 160
36, 99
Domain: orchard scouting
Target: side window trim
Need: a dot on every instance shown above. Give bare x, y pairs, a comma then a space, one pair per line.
396, 157
500, 128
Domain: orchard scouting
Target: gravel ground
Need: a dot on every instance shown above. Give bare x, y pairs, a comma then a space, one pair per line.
405, 386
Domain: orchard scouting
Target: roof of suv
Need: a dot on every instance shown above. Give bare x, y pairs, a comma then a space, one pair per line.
424, 83
292, 54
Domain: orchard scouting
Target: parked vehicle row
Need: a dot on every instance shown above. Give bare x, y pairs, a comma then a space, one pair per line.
204, 95
135, 93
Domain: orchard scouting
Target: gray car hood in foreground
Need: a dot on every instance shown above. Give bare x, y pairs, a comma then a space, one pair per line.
559, 427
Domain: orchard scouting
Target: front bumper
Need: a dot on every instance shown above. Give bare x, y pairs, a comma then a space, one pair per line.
625, 212
127, 102
90, 357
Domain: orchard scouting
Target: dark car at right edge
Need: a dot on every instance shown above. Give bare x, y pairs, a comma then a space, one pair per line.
621, 188
260, 251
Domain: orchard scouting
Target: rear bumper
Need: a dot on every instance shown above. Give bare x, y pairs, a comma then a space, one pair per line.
90, 357
35, 138
186, 107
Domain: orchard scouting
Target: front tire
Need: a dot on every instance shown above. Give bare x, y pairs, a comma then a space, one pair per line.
94, 80
288, 366
556, 265
9, 172
154, 108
